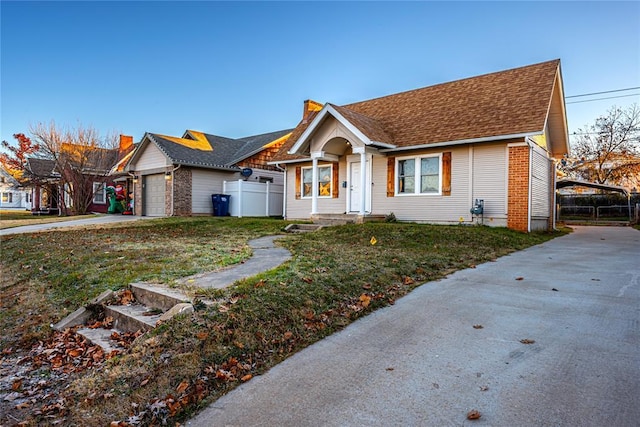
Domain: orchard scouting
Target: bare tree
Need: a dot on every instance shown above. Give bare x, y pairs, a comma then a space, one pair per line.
608, 151
82, 157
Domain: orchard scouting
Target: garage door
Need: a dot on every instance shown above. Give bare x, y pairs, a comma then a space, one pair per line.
153, 195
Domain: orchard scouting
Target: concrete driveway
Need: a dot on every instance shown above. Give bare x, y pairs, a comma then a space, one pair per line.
421, 362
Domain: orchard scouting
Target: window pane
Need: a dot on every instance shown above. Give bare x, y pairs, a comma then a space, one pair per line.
429, 184
307, 175
406, 176
429, 175
430, 166
324, 174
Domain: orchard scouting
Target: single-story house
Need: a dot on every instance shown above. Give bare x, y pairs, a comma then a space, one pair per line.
12, 194
428, 154
49, 186
177, 176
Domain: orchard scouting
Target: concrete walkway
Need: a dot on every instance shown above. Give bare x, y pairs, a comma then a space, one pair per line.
421, 362
265, 257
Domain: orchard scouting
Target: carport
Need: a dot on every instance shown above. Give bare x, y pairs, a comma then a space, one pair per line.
564, 183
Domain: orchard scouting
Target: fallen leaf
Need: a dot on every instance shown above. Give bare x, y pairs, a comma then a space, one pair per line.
246, 378
202, 335
16, 385
288, 335
519, 278
484, 388
144, 382
390, 369
307, 280
408, 280
527, 341
366, 286
23, 405
259, 284
473, 414
365, 300
182, 386
478, 326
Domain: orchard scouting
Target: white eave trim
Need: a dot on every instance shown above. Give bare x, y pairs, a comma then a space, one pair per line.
284, 162
328, 109
464, 141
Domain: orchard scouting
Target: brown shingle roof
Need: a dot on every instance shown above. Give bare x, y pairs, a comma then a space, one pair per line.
498, 104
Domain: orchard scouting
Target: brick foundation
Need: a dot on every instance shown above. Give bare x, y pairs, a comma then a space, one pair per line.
518, 194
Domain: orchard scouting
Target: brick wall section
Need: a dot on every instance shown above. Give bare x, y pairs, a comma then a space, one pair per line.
182, 186
518, 194
137, 197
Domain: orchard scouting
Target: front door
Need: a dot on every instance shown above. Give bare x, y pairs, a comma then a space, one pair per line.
354, 189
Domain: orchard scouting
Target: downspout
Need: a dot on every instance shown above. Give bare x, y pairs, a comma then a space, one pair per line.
529, 185
555, 195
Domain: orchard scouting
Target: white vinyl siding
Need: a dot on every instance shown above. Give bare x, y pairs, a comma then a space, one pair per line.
204, 183
434, 208
490, 178
154, 195
540, 184
151, 158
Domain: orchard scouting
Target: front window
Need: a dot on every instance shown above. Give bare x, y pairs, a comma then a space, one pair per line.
99, 193
7, 197
324, 181
425, 171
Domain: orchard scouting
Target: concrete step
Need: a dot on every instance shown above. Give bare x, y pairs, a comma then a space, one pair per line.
157, 296
101, 337
131, 318
302, 228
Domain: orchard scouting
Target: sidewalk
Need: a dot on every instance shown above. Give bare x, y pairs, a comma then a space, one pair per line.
89, 220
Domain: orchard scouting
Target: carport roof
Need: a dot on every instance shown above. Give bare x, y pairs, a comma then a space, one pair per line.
563, 183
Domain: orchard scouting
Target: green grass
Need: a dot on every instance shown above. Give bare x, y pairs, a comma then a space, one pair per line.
334, 277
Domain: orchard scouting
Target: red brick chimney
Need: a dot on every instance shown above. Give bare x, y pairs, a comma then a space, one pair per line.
126, 145
310, 106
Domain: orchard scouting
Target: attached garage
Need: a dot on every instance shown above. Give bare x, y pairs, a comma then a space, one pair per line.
154, 190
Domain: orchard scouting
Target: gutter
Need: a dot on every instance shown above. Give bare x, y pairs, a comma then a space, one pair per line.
464, 141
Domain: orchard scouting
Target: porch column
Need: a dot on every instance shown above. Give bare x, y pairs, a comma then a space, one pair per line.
314, 185
363, 183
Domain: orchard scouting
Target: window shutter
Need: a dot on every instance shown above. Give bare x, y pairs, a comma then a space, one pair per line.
298, 178
391, 169
335, 189
446, 173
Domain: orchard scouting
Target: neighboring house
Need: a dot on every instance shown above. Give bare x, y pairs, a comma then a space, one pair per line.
50, 189
427, 154
177, 176
12, 195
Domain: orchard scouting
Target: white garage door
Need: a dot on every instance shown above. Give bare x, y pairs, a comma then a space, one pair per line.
153, 195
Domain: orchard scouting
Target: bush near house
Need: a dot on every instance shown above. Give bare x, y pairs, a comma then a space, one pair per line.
335, 276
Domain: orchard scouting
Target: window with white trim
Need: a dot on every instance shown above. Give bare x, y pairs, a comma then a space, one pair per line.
99, 193
7, 197
324, 181
419, 175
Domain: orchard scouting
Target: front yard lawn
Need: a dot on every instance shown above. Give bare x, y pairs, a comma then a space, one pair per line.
335, 276
15, 218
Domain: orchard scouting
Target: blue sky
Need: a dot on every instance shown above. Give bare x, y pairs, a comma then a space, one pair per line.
243, 68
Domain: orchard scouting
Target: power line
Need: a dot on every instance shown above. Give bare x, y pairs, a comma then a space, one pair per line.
600, 99
600, 93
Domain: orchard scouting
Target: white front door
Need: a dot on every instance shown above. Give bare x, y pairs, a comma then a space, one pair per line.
354, 187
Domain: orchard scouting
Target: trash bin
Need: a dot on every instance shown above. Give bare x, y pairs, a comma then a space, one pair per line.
220, 204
